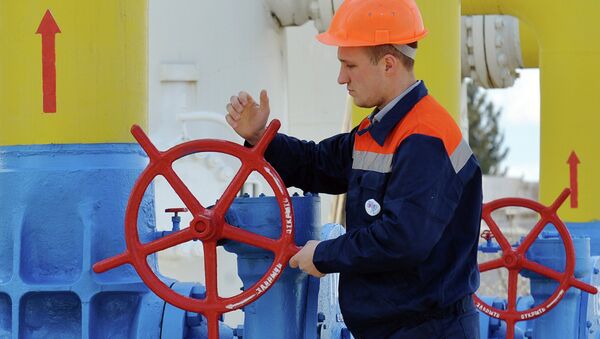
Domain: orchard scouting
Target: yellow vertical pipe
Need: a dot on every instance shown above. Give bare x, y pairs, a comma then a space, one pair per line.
438, 55
101, 71
569, 50
529, 46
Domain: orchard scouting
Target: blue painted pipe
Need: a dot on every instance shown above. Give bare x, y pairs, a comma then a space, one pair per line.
289, 308
62, 210
563, 321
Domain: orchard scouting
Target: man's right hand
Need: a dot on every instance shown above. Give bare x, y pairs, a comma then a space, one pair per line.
247, 118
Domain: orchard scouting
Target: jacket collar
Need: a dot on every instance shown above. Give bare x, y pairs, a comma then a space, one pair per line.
380, 130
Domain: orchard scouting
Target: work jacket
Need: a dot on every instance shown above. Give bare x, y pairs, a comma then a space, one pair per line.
413, 211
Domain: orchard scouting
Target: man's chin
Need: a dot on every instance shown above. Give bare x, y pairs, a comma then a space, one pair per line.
361, 104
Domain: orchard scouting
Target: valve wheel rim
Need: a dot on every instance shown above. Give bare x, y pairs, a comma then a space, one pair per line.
139, 257
217, 303
548, 215
161, 164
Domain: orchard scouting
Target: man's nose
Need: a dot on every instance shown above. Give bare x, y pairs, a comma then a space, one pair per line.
342, 78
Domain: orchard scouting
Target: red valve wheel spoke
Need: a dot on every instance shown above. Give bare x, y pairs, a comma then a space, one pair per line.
510, 328
238, 181
547, 215
144, 141
513, 282
560, 200
213, 325
183, 192
491, 265
110, 263
532, 235
243, 236
232, 189
269, 134
167, 241
504, 244
210, 269
583, 286
558, 276
543, 270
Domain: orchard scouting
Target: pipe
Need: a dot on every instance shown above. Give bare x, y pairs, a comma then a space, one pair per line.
99, 59
568, 53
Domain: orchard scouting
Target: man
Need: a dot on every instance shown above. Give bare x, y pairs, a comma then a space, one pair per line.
408, 262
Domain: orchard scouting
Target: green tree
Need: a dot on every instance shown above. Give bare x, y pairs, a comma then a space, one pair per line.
485, 138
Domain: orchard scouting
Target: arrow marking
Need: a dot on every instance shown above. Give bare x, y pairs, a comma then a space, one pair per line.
573, 161
48, 29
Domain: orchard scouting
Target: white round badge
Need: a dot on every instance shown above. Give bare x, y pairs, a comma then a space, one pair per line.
372, 207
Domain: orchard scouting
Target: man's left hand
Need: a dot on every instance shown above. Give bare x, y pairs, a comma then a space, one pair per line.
304, 259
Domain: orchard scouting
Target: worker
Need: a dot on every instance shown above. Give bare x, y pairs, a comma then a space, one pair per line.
408, 261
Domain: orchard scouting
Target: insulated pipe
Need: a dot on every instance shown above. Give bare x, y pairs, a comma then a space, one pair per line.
297, 12
494, 46
569, 51
491, 50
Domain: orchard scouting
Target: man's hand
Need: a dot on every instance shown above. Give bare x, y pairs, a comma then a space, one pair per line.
247, 118
304, 259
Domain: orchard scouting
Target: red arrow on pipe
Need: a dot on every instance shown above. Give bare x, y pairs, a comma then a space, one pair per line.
573, 162
48, 29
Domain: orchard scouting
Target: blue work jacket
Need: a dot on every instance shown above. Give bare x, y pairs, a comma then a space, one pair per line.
413, 211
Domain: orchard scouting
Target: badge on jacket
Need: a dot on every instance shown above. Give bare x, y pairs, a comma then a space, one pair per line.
372, 207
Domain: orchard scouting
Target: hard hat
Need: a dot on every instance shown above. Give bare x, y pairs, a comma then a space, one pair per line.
374, 22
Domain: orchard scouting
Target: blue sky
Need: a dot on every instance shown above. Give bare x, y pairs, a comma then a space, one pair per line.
520, 121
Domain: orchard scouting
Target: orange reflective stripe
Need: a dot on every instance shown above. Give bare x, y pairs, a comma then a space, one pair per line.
427, 117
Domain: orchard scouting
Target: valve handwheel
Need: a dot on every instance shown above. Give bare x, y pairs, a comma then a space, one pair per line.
514, 260
208, 224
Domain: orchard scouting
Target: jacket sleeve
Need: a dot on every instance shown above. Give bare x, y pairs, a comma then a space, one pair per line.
420, 198
322, 167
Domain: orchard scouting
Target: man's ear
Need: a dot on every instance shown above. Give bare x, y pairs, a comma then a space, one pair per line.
390, 62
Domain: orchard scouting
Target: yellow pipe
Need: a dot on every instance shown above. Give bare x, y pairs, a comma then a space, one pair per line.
438, 56
359, 113
480, 7
529, 46
101, 71
569, 50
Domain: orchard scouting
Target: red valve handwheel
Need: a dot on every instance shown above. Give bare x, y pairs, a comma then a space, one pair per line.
514, 260
207, 225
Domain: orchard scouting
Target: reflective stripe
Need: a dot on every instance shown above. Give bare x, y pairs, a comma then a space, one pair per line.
461, 155
370, 161
382, 163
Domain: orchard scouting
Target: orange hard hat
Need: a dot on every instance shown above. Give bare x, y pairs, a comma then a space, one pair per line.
374, 22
